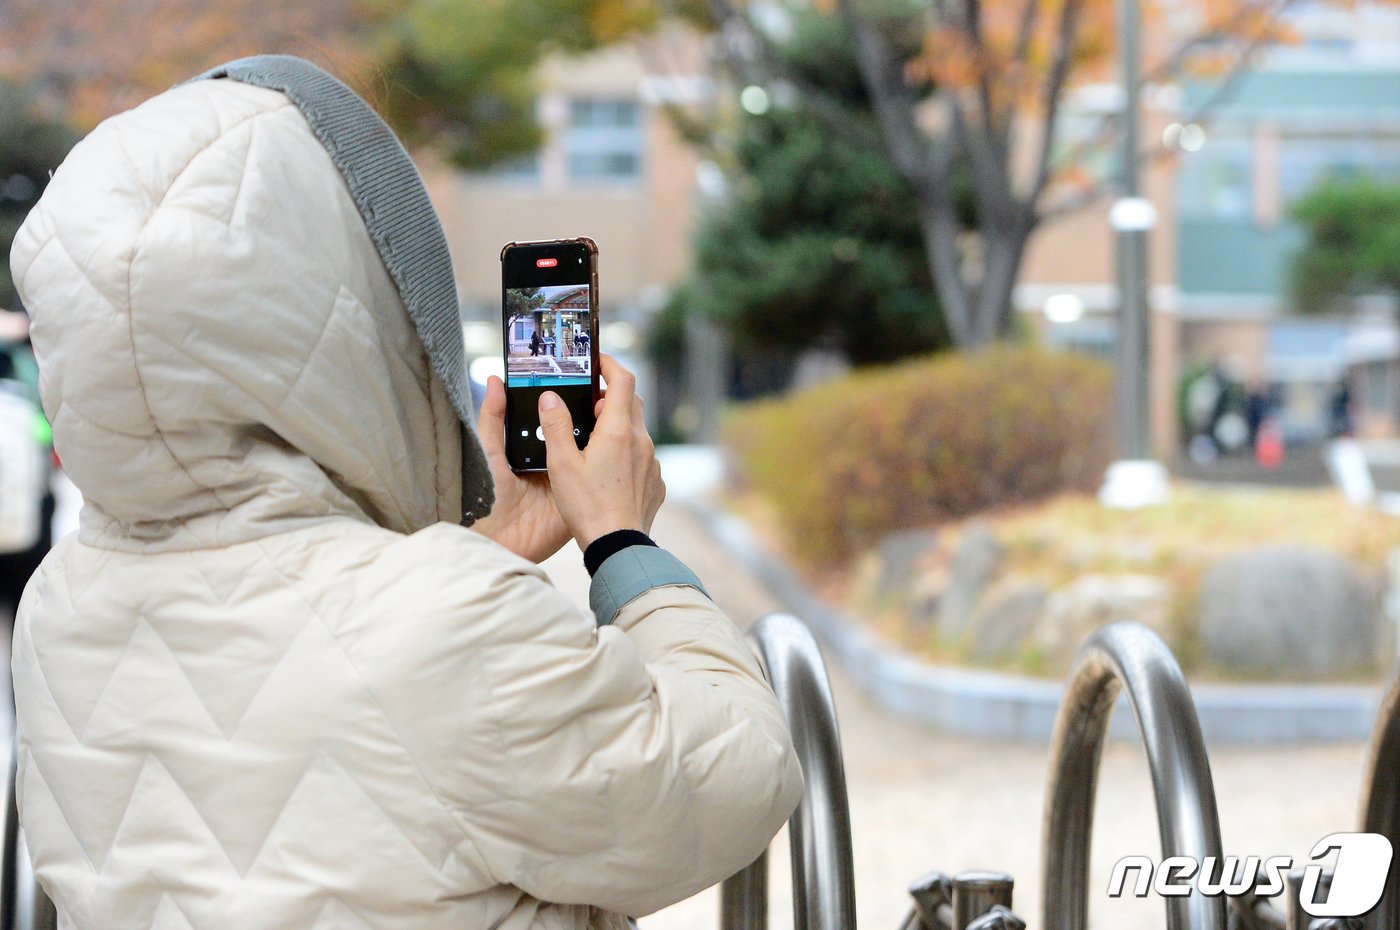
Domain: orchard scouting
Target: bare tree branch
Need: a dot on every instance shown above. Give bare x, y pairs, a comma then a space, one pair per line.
1025, 31
832, 112
1158, 151
1172, 65
893, 103
974, 270
1054, 90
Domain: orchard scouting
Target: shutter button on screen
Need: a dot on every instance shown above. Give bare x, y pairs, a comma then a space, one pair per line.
539, 433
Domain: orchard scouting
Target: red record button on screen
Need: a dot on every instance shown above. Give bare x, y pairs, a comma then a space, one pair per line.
546, 262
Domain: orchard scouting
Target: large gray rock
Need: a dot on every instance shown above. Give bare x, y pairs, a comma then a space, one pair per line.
1291, 611
975, 565
1074, 612
897, 575
901, 555
1003, 624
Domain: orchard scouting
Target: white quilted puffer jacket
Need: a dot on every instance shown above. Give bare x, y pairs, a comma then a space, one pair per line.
271, 683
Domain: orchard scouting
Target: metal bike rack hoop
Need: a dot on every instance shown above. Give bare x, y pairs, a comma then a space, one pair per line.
23, 903
819, 833
1128, 656
1380, 808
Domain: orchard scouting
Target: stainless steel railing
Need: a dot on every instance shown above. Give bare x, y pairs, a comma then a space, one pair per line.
1128, 656
1380, 805
823, 875
23, 903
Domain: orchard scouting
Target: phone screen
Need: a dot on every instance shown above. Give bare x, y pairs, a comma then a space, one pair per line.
549, 321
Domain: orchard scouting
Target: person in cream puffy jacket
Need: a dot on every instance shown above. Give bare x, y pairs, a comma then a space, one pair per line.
274, 681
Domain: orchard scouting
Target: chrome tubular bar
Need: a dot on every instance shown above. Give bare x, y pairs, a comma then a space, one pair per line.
823, 876
23, 903
743, 898
1380, 805
9, 852
1128, 656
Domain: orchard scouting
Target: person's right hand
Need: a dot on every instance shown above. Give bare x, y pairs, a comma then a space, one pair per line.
615, 482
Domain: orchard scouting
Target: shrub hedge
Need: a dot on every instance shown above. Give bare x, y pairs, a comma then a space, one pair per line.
922, 442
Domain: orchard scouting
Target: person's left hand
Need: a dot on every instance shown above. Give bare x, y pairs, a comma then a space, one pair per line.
524, 518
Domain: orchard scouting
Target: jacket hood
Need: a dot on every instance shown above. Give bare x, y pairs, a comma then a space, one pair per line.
245, 320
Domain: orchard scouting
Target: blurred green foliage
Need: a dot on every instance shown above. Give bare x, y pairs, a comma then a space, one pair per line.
923, 442
35, 138
460, 75
817, 243
1352, 247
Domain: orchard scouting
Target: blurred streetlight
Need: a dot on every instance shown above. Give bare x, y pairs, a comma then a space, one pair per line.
484, 367
1193, 137
1064, 308
754, 100
1135, 480
618, 337
480, 338
710, 179
1188, 138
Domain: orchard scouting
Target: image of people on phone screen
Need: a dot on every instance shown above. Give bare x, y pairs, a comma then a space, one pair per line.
547, 334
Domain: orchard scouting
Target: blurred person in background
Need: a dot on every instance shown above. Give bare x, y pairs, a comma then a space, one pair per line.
299, 667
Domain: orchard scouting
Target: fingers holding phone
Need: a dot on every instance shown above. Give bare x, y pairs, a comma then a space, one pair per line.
614, 483
549, 301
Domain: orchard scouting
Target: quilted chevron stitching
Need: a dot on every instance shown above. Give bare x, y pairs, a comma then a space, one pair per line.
374, 699
150, 758
131, 267
30, 768
243, 174
267, 670
325, 327
320, 337
83, 273
272, 827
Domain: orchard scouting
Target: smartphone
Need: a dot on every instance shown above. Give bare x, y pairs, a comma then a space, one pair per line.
549, 328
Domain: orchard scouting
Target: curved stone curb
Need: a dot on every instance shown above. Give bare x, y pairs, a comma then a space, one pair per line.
996, 705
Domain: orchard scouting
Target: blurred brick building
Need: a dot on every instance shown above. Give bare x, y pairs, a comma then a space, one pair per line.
1328, 105
612, 167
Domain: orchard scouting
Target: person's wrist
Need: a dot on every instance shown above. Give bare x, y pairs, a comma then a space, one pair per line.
610, 544
589, 539
597, 530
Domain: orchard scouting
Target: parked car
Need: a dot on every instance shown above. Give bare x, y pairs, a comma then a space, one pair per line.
26, 471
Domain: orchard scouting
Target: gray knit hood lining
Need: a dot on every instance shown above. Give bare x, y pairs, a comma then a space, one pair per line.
394, 204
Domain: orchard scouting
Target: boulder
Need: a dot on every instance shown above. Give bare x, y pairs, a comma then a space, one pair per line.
899, 574
1004, 622
922, 599
900, 556
1291, 611
1074, 612
975, 565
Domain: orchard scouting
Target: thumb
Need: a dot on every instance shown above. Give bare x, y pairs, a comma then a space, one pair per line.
558, 425
491, 420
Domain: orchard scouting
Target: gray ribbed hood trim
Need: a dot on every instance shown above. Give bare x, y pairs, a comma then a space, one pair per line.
401, 221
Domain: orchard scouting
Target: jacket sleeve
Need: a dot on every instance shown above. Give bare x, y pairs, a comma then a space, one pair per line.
626, 766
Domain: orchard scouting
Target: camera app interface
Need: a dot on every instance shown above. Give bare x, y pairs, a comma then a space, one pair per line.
547, 337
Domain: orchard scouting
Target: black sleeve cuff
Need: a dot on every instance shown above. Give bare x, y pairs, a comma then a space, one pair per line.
600, 549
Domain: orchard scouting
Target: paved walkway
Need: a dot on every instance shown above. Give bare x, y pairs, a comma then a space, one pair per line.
922, 800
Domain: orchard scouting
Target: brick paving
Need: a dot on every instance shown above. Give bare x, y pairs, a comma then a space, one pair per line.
922, 800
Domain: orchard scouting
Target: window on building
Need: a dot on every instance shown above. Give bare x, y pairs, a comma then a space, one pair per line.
604, 140
1307, 161
1080, 131
1217, 181
522, 168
